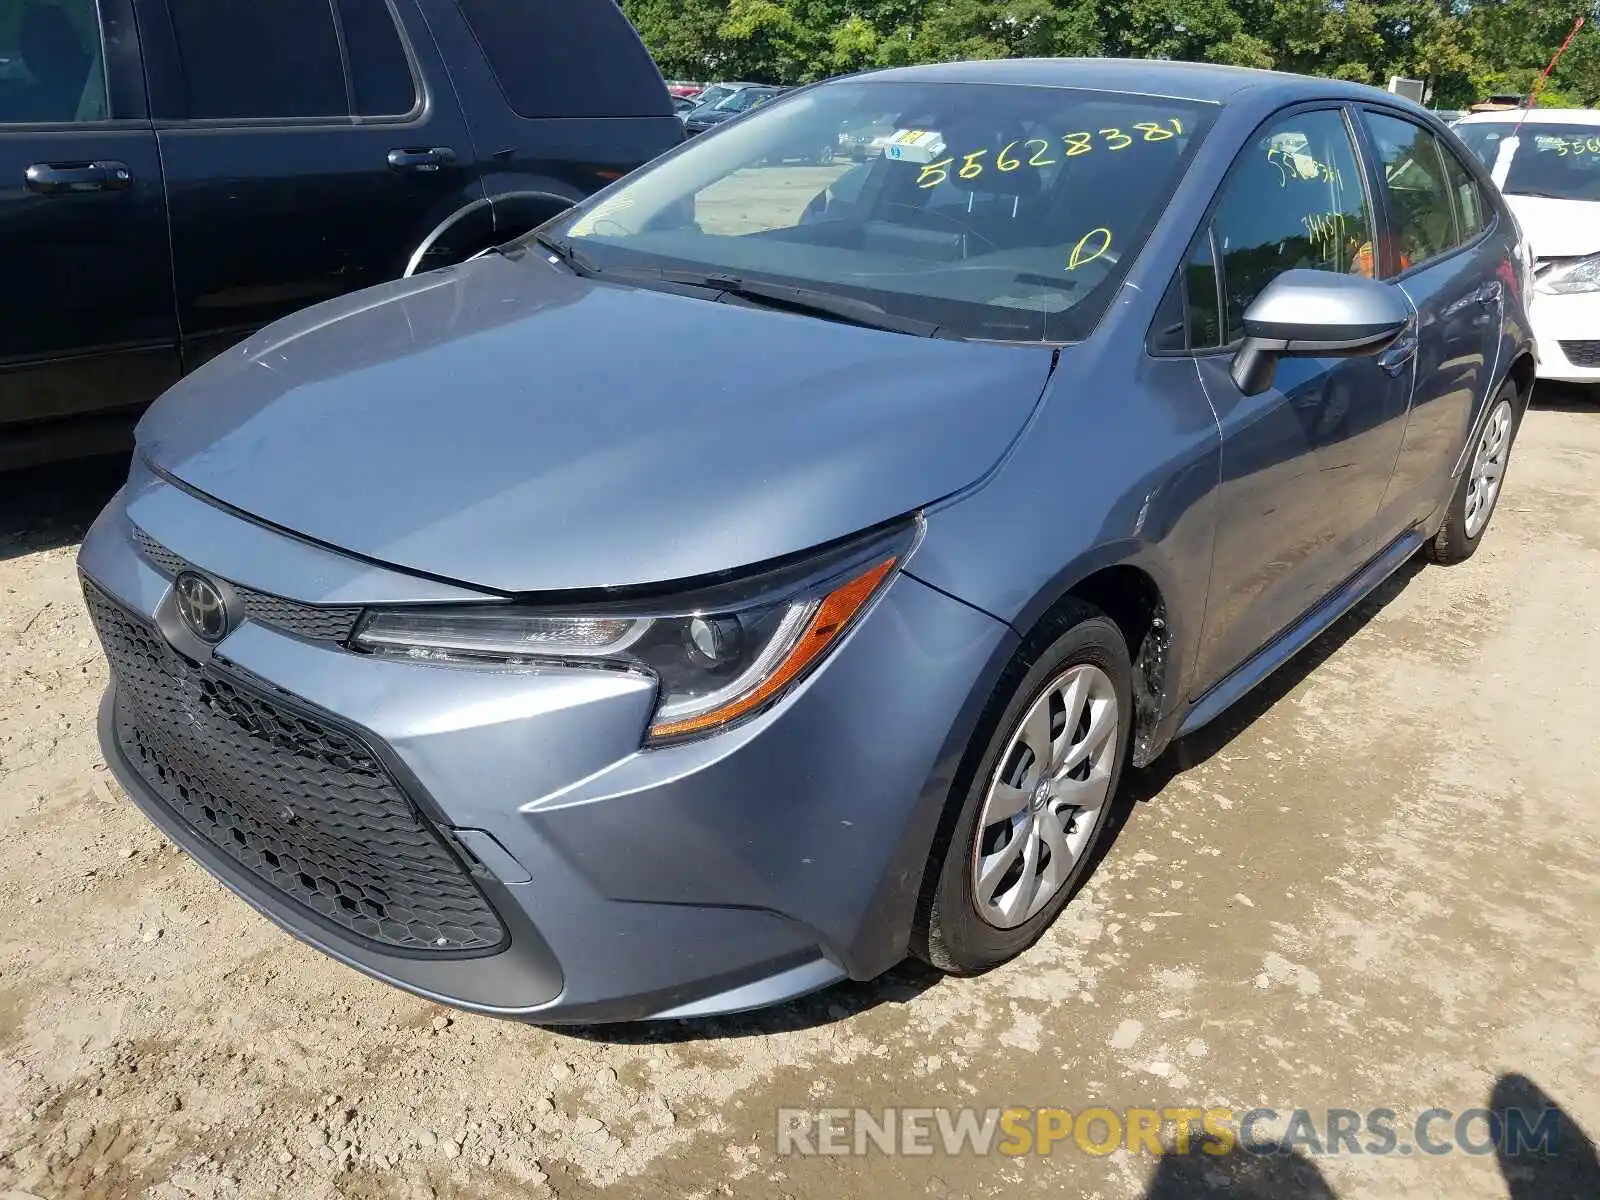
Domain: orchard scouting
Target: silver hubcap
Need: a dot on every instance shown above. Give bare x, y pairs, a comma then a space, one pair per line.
1488, 468
1048, 788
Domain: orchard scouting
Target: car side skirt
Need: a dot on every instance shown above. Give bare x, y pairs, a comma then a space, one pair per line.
1233, 687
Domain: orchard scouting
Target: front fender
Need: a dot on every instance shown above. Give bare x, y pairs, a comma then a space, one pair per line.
1108, 475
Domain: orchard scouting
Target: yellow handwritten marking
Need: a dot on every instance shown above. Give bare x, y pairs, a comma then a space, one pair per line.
1034, 160
970, 167
939, 169
1153, 132
1005, 160
1077, 143
1100, 241
1111, 136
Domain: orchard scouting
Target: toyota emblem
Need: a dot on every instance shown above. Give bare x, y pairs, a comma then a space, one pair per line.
201, 606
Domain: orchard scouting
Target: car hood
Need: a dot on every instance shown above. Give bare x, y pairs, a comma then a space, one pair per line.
1558, 228
510, 425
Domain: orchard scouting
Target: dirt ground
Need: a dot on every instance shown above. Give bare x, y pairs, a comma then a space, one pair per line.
1376, 886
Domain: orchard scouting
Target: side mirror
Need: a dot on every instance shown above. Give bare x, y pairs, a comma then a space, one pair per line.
1315, 314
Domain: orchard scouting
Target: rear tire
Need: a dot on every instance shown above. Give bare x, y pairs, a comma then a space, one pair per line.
1054, 754
1478, 490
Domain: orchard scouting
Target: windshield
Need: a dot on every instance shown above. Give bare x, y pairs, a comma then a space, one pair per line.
743, 99
990, 211
712, 96
1561, 161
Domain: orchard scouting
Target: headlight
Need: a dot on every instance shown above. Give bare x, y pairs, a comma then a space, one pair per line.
719, 655
1580, 276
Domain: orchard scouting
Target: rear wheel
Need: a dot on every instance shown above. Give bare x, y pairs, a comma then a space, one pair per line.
1037, 802
1478, 489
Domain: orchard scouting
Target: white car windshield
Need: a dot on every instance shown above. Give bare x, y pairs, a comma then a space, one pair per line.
1558, 161
988, 211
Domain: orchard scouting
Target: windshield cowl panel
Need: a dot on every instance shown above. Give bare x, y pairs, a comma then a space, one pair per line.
993, 212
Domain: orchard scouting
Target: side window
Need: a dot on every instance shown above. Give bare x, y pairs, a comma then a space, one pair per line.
1420, 209
1471, 216
259, 58
1293, 199
544, 54
380, 74
52, 69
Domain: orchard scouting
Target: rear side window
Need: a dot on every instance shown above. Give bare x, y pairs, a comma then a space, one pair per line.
1471, 215
1421, 211
572, 58
255, 58
380, 74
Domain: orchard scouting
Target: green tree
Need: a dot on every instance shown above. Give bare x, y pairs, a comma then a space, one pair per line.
1463, 49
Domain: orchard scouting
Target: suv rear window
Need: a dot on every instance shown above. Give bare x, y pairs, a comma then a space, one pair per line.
577, 58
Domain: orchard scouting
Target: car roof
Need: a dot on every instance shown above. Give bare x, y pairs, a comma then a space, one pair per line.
1180, 80
1535, 116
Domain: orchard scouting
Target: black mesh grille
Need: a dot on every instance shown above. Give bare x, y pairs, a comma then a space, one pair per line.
304, 807
320, 623
165, 560
1582, 354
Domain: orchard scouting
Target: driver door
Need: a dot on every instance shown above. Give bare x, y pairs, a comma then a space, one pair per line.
1305, 463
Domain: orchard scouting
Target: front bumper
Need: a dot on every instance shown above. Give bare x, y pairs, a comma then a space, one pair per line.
1568, 332
708, 877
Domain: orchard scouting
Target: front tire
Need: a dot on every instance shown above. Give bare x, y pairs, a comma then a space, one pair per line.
1037, 800
1477, 491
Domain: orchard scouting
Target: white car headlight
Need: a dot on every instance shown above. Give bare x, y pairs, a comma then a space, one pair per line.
1580, 276
719, 655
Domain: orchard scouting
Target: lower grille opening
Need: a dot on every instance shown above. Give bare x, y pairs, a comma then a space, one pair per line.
299, 804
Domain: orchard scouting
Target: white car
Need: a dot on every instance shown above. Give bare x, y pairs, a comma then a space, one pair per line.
1548, 166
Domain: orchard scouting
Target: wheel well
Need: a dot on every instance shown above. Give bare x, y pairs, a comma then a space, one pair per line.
1131, 598
1522, 374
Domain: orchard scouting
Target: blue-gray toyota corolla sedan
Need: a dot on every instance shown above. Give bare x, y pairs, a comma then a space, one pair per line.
768, 569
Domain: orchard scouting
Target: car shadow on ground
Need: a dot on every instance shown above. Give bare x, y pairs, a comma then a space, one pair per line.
1567, 397
1543, 1154
1146, 784
48, 507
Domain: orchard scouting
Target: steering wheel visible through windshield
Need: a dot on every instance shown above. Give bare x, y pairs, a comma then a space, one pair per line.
989, 211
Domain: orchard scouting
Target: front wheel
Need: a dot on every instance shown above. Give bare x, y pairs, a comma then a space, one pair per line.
1472, 503
1037, 804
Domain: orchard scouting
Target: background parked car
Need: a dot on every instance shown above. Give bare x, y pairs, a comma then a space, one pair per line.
714, 93
1547, 163
741, 99
174, 174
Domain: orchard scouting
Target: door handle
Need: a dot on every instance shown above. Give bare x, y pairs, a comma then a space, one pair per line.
55, 179
1489, 294
426, 159
1394, 359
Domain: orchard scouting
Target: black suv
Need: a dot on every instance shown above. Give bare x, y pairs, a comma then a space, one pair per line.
174, 174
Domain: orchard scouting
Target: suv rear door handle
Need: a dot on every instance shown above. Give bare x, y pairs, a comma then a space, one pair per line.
427, 159
55, 179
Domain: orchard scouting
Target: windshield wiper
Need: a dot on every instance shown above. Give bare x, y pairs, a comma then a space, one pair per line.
577, 261
810, 301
